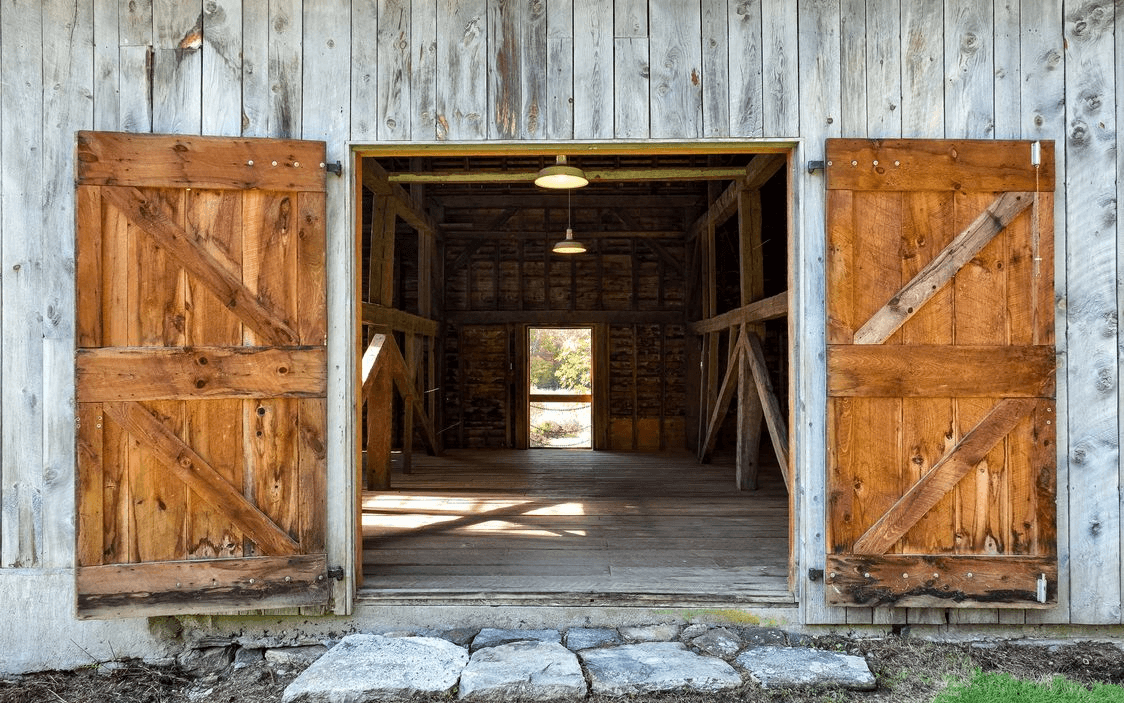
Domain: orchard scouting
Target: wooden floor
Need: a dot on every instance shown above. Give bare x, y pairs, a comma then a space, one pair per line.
575, 526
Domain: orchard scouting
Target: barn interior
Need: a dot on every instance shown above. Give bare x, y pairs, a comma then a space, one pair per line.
680, 488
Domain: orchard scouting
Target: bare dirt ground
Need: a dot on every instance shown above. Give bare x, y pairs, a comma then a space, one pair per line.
906, 669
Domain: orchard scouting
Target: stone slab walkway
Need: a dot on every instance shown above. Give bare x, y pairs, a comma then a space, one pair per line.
534, 665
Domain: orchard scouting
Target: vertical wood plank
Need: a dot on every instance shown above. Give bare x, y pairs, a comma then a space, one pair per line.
68, 86
631, 78
393, 61
1119, 87
136, 22
560, 69
222, 68
853, 67
676, 69
21, 258
462, 80
214, 428
157, 297
1043, 117
883, 76
1008, 79
923, 102
969, 88
716, 87
285, 33
745, 61
505, 68
255, 69
136, 103
779, 58
364, 70
534, 84
593, 74
820, 106
423, 69
1091, 305
89, 518
177, 83
107, 65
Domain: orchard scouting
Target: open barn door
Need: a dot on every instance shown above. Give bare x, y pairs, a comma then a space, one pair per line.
201, 374
941, 457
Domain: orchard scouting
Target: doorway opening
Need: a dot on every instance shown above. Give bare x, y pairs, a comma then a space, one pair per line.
678, 310
560, 387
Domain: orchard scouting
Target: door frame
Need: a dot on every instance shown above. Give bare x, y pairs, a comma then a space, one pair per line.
805, 425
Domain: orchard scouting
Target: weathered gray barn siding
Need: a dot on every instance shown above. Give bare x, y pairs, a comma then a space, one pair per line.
396, 70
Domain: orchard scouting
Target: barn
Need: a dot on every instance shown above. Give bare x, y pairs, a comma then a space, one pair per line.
276, 275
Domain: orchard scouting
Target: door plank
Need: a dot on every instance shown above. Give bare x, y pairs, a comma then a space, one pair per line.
942, 268
952, 581
934, 485
937, 165
145, 215
926, 371
182, 587
135, 160
200, 372
199, 475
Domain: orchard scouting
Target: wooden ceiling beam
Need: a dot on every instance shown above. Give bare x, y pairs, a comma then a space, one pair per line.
600, 175
582, 234
558, 201
375, 179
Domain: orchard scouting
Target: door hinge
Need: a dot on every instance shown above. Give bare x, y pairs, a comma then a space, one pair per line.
814, 166
336, 168
815, 574
336, 572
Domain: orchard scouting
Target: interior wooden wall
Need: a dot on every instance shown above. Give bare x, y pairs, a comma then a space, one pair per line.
396, 70
522, 283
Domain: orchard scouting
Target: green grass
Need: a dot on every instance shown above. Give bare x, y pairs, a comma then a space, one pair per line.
1001, 687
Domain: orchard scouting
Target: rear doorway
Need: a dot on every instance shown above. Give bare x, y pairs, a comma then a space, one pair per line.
600, 426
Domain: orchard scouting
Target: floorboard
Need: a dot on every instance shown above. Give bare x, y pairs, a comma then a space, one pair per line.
555, 523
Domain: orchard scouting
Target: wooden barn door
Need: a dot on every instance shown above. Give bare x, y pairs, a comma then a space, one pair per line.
941, 457
201, 374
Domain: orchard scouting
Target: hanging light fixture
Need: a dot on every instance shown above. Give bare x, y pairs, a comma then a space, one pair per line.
569, 245
561, 175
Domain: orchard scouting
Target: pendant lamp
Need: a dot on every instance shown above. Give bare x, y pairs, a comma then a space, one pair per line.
569, 245
561, 175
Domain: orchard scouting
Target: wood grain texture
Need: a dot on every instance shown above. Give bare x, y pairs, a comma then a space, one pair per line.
715, 68
22, 288
779, 68
284, 109
969, 67
198, 474
462, 86
594, 103
1091, 304
923, 104
423, 70
364, 70
221, 103
201, 372
937, 165
883, 88
676, 69
929, 490
820, 106
394, 49
746, 74
990, 306
941, 371
225, 586
947, 582
106, 158
559, 70
632, 86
